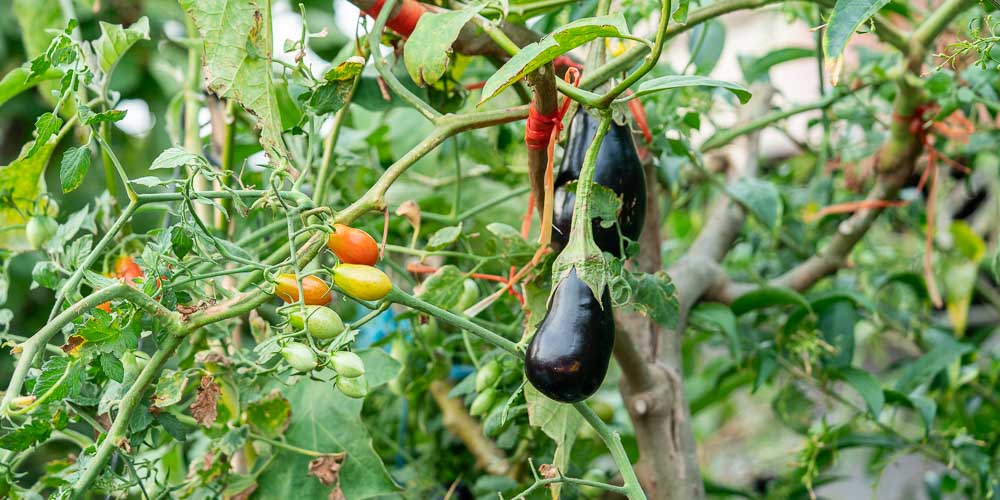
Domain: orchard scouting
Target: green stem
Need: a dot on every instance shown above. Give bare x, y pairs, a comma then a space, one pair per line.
935, 23
650, 61
725, 136
129, 403
402, 298
330, 144
382, 66
74, 280
632, 488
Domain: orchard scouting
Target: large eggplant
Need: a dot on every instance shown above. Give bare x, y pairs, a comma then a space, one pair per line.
618, 168
569, 355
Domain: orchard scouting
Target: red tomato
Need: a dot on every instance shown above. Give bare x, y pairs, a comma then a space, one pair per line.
316, 292
353, 246
106, 307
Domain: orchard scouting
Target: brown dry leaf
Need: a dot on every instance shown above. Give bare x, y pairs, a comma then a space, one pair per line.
204, 407
205, 357
548, 471
327, 468
73, 345
336, 494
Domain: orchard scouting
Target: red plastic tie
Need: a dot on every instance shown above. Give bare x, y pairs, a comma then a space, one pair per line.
405, 19
538, 132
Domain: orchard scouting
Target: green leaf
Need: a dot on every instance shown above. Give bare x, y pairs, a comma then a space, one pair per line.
237, 63
112, 367
757, 68
760, 197
60, 377
444, 237
654, 296
24, 181
39, 20
509, 239
562, 40
681, 11
46, 126
560, 422
719, 318
169, 388
443, 288
380, 367
429, 47
705, 45
181, 241
331, 95
794, 408
73, 168
836, 322
960, 272
21, 78
847, 16
325, 421
928, 365
174, 158
867, 386
927, 408
270, 415
88, 117
177, 429
26, 436
115, 41
679, 81
768, 297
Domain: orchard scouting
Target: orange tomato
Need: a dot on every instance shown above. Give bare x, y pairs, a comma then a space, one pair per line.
106, 307
316, 292
353, 246
127, 269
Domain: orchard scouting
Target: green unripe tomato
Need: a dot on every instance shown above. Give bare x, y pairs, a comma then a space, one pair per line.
356, 387
347, 364
603, 410
470, 295
39, 230
320, 322
597, 476
300, 356
488, 375
483, 402
133, 362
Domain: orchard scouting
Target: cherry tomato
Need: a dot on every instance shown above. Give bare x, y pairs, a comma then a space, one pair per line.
356, 387
106, 307
126, 268
40, 230
353, 246
347, 364
319, 321
361, 282
300, 356
317, 293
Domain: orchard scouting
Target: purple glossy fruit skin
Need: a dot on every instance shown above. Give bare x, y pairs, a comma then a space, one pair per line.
568, 357
618, 168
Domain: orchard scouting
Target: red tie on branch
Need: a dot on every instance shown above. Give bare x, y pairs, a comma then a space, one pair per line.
405, 19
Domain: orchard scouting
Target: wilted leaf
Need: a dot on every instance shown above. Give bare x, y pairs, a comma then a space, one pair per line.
205, 406
327, 468
444, 237
654, 296
270, 415
429, 46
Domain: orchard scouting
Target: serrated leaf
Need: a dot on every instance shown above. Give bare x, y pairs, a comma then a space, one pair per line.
73, 168
238, 63
444, 237
60, 377
553, 45
181, 241
116, 40
46, 126
654, 296
112, 367
443, 288
768, 297
330, 96
169, 388
847, 16
26, 436
429, 46
88, 117
680, 81
866, 385
40, 21
175, 158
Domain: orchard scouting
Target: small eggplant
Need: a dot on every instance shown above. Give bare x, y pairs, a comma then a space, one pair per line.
569, 355
618, 168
